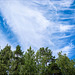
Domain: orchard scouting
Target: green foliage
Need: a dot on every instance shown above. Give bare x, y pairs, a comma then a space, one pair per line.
18, 51
65, 64
43, 57
30, 63
53, 69
17, 61
5, 59
29, 67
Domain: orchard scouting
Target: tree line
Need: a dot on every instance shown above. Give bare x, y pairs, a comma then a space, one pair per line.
30, 63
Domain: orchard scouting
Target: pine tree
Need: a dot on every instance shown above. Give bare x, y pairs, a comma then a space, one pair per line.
65, 64
43, 57
29, 67
5, 59
17, 61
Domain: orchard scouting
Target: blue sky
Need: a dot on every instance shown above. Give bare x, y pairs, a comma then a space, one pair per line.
38, 23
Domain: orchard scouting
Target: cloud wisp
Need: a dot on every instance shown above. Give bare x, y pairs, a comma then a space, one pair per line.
37, 23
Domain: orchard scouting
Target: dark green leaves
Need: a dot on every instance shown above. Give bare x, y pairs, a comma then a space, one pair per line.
30, 63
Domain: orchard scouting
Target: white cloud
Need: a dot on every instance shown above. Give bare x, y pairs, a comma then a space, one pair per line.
30, 24
65, 28
62, 3
4, 42
26, 23
66, 49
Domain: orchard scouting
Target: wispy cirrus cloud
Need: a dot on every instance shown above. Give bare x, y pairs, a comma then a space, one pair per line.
4, 42
37, 23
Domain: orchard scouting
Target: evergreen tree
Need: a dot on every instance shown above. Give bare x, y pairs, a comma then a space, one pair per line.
43, 57
53, 69
65, 64
17, 61
29, 67
41, 63
5, 59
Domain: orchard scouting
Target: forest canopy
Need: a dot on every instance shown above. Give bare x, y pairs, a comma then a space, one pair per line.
30, 63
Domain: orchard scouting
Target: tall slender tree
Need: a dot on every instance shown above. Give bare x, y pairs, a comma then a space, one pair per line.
5, 59
29, 67
43, 57
65, 64
17, 61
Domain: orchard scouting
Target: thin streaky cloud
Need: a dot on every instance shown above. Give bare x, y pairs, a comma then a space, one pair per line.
37, 23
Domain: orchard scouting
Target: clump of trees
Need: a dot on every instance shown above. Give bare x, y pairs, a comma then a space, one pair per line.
30, 63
